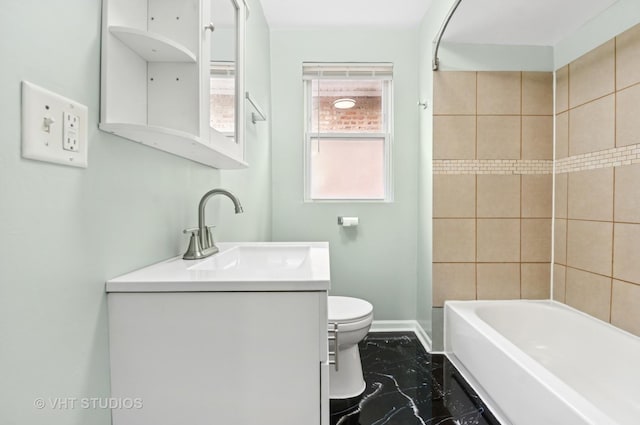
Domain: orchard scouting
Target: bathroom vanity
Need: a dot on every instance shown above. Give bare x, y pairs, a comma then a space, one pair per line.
237, 338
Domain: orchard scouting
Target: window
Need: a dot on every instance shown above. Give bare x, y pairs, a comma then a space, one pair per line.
348, 132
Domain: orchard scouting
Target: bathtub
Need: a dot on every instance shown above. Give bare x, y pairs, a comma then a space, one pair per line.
544, 363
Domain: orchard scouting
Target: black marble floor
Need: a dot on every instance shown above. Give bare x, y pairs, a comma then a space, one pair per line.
407, 386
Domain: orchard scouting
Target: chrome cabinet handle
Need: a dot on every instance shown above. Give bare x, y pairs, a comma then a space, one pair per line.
333, 336
210, 27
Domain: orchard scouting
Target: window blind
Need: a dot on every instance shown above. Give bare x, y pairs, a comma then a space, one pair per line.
369, 71
222, 69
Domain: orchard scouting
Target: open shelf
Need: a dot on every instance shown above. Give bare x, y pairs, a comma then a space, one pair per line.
176, 142
151, 46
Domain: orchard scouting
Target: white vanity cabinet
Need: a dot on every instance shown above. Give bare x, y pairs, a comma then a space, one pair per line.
201, 346
155, 78
246, 358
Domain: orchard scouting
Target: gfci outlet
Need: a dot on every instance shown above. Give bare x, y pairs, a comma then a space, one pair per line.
70, 132
54, 128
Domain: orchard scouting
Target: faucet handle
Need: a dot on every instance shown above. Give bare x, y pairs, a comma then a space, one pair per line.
193, 231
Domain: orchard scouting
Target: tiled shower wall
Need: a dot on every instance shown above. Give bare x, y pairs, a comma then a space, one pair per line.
493, 145
597, 239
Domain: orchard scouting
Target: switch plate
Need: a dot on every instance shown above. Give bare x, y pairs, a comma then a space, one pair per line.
54, 128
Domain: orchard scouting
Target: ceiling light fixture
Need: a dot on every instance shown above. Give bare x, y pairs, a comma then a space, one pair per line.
344, 103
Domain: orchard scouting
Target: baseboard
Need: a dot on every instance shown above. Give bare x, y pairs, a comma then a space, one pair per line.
403, 326
423, 337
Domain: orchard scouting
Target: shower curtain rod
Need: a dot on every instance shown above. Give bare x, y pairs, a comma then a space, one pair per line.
436, 41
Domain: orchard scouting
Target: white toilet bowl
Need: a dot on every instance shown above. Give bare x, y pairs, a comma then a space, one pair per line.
353, 318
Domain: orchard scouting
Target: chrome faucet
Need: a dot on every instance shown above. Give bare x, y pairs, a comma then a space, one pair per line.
201, 244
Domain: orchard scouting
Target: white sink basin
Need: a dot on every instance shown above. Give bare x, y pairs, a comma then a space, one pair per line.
266, 258
246, 266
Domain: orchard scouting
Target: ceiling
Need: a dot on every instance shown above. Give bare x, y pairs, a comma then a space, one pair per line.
336, 13
520, 22
517, 22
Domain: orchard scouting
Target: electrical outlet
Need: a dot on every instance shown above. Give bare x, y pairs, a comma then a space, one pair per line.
54, 128
70, 132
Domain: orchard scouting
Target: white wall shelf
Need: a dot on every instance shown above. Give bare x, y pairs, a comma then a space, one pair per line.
155, 79
152, 47
176, 142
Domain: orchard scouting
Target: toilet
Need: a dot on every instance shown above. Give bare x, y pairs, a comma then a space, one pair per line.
353, 318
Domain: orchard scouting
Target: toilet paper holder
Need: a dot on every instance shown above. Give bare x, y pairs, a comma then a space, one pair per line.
348, 221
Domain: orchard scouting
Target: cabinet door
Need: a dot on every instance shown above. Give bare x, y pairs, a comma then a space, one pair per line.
216, 358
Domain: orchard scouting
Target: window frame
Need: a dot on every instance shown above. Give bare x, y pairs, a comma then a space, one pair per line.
387, 122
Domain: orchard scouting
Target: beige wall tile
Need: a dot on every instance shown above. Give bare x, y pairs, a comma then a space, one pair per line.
536, 195
537, 93
562, 135
589, 293
562, 89
592, 75
498, 281
535, 281
498, 137
454, 240
537, 137
498, 240
498, 196
536, 240
561, 195
628, 57
627, 193
591, 194
499, 93
559, 280
625, 306
627, 113
454, 137
589, 246
560, 242
453, 282
454, 195
454, 92
592, 126
626, 250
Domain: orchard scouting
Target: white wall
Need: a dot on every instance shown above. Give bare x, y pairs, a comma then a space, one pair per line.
428, 29
491, 57
64, 231
378, 261
618, 18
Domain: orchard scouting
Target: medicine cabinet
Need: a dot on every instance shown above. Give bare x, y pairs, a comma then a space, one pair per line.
159, 59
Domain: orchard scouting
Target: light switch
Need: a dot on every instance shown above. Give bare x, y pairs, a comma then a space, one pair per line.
54, 128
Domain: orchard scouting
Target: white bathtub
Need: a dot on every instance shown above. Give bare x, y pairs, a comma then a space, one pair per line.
544, 363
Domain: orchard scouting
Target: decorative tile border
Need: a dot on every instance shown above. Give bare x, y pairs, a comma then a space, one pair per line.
492, 166
614, 157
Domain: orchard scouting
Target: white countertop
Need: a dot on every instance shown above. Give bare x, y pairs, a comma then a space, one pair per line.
238, 267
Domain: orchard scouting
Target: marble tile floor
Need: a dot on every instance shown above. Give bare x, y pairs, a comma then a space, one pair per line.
407, 386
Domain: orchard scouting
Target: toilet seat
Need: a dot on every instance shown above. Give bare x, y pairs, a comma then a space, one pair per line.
343, 310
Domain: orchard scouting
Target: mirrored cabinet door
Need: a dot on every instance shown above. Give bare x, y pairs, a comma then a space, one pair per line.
226, 75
